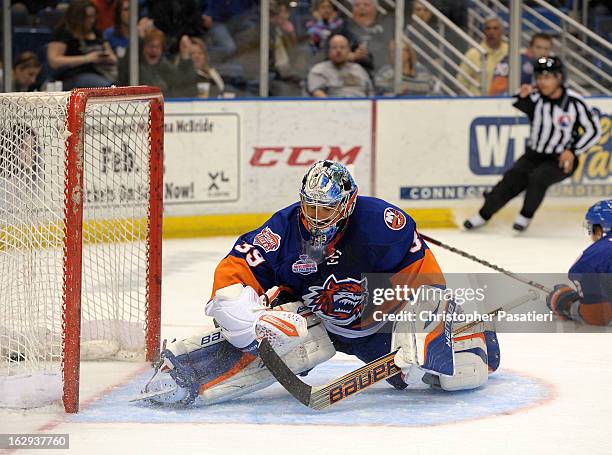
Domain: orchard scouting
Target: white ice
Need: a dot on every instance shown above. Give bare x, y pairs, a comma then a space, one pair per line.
577, 367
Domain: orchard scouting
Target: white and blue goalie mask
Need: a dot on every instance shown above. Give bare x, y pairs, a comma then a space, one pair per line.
327, 197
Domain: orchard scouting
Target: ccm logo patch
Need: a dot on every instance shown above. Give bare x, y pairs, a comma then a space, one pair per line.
268, 240
394, 219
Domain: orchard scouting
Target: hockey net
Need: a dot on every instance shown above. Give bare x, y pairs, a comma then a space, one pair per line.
80, 236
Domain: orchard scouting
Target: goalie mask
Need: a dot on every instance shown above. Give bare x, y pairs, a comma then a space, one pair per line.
327, 197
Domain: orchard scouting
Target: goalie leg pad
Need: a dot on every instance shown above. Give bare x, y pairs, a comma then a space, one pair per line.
471, 369
425, 343
493, 352
316, 348
208, 368
477, 354
187, 364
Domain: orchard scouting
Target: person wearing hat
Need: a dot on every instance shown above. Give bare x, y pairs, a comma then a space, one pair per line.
562, 126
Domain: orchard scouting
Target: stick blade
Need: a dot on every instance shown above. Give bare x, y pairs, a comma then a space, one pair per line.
283, 374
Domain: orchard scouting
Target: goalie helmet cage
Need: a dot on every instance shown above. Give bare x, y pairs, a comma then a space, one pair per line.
80, 196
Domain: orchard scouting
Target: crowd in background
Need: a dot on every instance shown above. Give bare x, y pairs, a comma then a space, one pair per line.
211, 48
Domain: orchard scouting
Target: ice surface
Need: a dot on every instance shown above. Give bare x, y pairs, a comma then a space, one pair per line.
507, 392
30, 390
553, 393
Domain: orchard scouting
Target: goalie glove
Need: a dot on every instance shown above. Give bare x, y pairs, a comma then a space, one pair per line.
564, 302
244, 320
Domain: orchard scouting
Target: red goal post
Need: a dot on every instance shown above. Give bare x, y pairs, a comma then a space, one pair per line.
74, 219
100, 230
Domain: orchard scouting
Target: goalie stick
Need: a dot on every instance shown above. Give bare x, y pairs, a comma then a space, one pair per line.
384, 367
497, 268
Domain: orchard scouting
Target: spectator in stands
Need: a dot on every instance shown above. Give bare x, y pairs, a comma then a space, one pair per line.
495, 49
174, 79
205, 74
339, 77
419, 10
284, 66
34, 6
372, 34
176, 18
416, 79
20, 16
20, 163
26, 68
231, 24
325, 22
455, 10
540, 45
599, 8
79, 52
283, 36
51, 16
105, 13
118, 34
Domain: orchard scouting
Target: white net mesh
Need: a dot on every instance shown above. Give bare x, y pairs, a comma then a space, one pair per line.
115, 226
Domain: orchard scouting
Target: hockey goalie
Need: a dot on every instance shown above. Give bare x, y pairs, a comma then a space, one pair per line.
298, 281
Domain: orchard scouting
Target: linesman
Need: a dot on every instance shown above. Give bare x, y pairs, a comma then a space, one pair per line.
562, 126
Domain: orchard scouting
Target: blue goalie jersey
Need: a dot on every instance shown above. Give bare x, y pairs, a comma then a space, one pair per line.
378, 238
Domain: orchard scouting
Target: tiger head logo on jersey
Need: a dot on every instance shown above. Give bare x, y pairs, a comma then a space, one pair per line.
394, 219
339, 301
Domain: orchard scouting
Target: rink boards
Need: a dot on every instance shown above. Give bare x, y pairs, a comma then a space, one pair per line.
229, 164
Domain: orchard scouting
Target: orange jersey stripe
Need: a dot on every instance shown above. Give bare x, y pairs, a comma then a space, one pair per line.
424, 271
232, 270
596, 313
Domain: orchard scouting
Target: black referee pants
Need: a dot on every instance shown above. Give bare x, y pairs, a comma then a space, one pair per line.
531, 173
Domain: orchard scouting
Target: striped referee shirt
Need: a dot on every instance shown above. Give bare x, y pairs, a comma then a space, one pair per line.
566, 123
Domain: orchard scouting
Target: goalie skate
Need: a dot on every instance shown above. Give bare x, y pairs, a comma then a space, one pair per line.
162, 387
169, 389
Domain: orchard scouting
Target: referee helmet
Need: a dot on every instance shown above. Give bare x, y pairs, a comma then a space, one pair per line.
552, 65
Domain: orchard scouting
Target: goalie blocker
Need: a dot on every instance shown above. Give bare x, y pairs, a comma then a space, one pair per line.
223, 364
